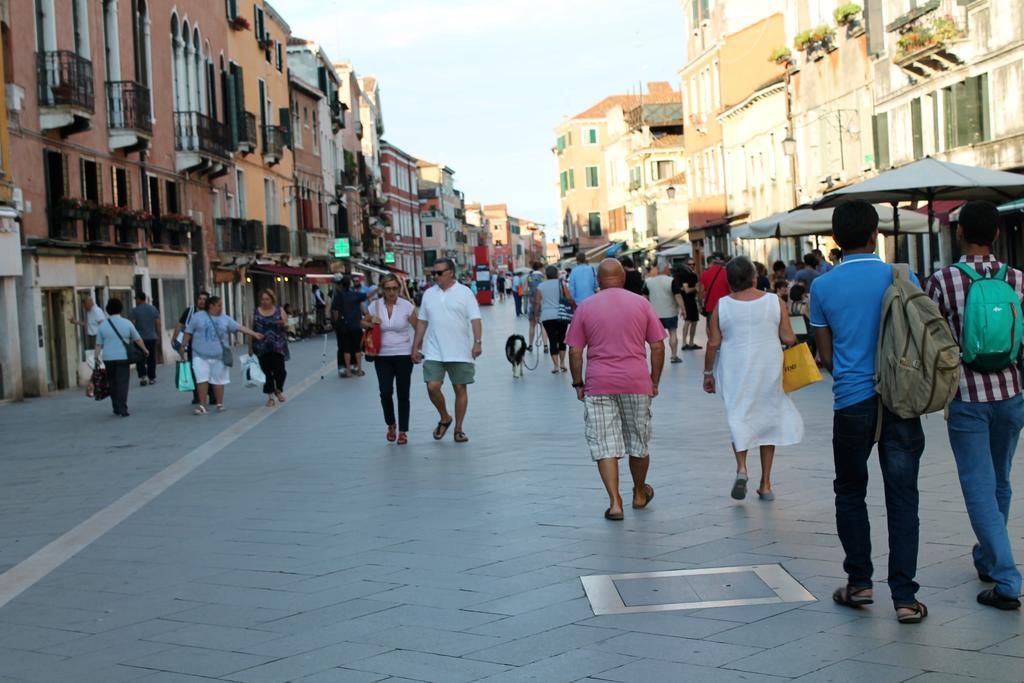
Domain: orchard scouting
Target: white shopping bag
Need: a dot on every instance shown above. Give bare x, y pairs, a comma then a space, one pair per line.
251, 370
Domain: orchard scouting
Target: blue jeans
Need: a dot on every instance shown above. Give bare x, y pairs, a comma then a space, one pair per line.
984, 437
899, 455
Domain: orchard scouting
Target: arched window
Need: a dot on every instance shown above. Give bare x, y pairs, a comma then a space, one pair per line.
197, 73
141, 44
177, 66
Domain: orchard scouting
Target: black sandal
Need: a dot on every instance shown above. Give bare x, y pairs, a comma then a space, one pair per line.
441, 429
648, 495
917, 615
848, 596
460, 437
615, 518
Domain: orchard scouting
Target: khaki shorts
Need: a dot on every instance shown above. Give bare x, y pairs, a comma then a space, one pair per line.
617, 425
458, 373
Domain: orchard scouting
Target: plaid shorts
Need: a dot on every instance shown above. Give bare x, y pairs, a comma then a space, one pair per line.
617, 425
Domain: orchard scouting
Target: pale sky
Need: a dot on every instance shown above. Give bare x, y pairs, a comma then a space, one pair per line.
480, 85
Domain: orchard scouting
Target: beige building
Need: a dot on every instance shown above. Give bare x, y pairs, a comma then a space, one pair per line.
583, 182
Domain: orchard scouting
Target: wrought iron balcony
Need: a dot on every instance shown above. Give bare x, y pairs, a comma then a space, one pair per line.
65, 80
239, 236
273, 144
246, 132
195, 132
279, 239
128, 106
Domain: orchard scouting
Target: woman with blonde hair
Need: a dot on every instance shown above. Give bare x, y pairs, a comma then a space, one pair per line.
272, 350
396, 316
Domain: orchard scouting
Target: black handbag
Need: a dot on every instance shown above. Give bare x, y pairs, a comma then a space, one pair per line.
134, 354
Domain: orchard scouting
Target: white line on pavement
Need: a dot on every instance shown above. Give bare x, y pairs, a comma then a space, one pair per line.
26, 573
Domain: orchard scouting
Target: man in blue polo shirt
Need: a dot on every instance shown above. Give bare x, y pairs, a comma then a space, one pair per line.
846, 306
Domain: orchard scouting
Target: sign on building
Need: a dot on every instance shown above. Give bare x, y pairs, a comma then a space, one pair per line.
342, 248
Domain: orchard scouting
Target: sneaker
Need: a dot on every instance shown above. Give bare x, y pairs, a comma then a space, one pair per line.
152, 381
992, 598
143, 383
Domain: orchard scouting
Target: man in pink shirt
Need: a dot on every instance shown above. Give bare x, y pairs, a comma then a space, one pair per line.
615, 327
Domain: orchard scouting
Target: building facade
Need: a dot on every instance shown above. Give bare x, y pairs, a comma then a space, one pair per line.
402, 233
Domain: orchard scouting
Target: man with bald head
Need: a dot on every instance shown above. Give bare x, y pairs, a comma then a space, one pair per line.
615, 327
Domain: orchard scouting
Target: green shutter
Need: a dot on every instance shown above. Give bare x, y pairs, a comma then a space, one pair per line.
949, 116
936, 103
986, 114
916, 128
321, 78
593, 135
285, 122
572, 179
880, 128
563, 179
234, 117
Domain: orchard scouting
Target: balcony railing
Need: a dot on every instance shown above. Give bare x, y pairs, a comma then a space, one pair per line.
279, 239
98, 231
273, 141
128, 106
337, 115
239, 236
195, 132
166, 234
246, 131
65, 79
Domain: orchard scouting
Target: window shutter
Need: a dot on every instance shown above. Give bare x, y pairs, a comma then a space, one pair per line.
127, 201
321, 77
64, 171
81, 178
284, 121
986, 115
279, 56
916, 128
572, 179
99, 182
233, 117
263, 104
239, 89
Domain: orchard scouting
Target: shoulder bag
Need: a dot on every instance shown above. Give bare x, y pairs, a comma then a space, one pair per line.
371, 338
565, 309
227, 356
132, 352
704, 306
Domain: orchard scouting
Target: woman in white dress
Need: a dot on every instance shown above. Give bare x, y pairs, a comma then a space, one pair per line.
746, 329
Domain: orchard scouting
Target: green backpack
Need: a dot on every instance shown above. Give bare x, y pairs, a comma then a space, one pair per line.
992, 322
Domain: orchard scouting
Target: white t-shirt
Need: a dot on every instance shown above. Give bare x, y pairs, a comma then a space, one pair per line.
93, 319
659, 290
448, 314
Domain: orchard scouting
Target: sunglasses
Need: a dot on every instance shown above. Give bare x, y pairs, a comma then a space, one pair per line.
391, 289
438, 273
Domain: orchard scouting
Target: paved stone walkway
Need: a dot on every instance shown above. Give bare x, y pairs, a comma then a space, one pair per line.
309, 549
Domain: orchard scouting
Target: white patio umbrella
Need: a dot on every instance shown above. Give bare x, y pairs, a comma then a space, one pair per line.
802, 222
927, 180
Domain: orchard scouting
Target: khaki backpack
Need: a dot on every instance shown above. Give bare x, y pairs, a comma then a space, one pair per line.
917, 369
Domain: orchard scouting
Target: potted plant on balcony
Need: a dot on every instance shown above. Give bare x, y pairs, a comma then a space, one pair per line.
946, 30
782, 56
239, 23
107, 214
73, 208
802, 40
914, 38
822, 38
266, 42
847, 14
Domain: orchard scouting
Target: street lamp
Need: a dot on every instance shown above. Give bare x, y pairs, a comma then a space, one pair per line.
789, 145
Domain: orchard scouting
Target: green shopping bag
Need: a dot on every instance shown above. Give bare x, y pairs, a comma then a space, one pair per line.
184, 371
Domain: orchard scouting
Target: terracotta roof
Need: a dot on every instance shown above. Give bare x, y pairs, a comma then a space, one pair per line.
628, 102
669, 141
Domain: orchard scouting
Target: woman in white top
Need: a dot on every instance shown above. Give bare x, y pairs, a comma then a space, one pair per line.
397, 319
746, 329
548, 300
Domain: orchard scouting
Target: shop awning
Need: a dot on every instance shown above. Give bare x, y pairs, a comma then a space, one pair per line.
274, 269
398, 271
369, 268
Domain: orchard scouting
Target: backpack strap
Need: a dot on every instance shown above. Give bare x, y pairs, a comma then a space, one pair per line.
972, 274
1001, 275
900, 271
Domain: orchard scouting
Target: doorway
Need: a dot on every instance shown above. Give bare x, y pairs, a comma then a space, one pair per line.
56, 310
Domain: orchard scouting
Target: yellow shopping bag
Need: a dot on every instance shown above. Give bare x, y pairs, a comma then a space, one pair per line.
798, 368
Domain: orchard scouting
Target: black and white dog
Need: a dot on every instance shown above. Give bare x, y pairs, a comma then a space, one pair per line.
515, 350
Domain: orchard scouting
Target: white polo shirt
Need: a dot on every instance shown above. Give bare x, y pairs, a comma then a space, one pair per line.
93, 319
448, 313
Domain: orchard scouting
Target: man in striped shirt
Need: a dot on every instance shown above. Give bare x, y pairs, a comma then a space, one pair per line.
986, 417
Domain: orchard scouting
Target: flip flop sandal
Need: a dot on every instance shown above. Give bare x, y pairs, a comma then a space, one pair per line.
402, 438
915, 617
739, 487
649, 494
392, 433
615, 518
441, 429
460, 437
848, 596
199, 410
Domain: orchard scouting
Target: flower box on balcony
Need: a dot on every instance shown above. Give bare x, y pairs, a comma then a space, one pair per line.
239, 24
73, 209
